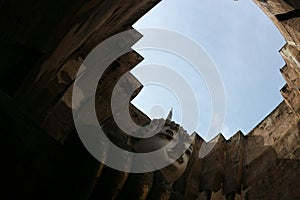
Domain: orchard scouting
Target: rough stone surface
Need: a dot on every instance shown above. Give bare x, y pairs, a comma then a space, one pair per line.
43, 43
234, 166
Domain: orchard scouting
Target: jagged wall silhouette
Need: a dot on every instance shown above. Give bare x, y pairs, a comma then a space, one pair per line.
43, 44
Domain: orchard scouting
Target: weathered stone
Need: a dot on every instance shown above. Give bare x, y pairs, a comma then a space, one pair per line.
291, 55
292, 77
274, 126
275, 6
188, 184
160, 189
204, 195
291, 22
212, 172
292, 99
137, 187
233, 174
89, 24
49, 41
59, 122
109, 184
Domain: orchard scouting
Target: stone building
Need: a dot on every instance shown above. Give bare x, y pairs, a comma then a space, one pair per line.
43, 44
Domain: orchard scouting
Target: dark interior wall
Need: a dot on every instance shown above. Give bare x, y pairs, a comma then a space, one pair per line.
29, 31
43, 43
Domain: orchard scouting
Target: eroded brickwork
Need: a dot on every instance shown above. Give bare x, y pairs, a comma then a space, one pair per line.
43, 43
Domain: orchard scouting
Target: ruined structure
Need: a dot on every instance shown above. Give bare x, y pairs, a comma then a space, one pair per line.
43, 43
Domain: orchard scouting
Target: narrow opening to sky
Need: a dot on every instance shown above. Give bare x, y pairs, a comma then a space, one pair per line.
242, 42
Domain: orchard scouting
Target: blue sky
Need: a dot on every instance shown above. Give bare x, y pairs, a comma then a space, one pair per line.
242, 42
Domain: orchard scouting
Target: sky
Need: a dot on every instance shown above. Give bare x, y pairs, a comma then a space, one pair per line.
243, 44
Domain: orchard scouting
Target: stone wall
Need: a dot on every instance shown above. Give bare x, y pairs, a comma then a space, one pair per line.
43, 43
265, 163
